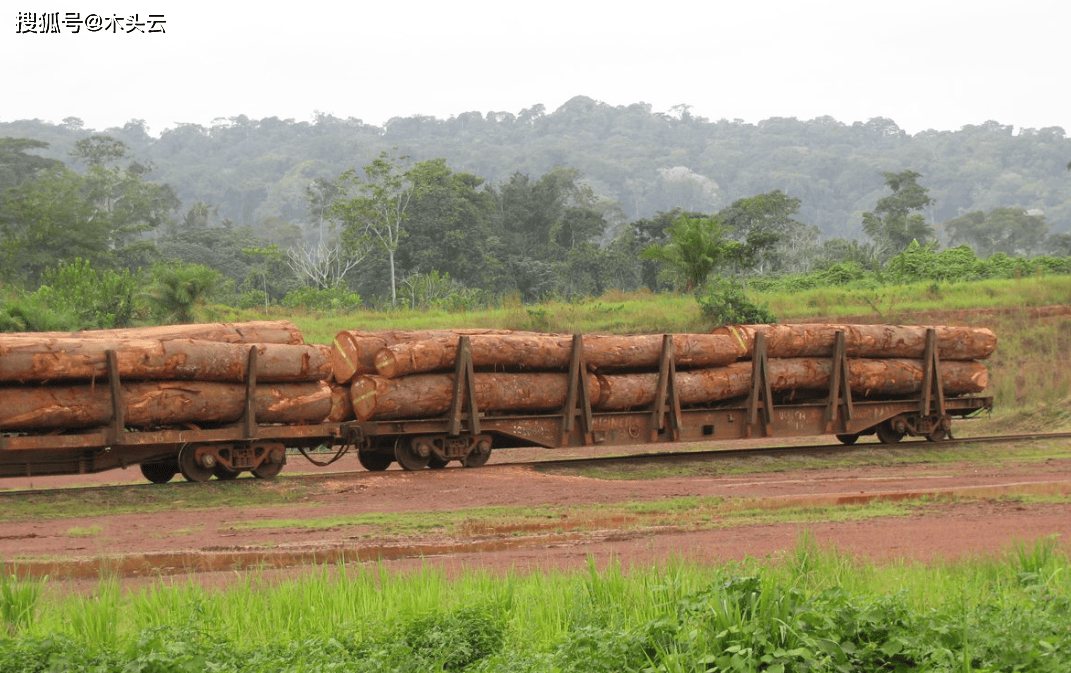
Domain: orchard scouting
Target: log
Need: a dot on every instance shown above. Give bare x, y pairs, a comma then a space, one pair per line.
257, 331
158, 403
341, 407
431, 395
553, 352
867, 378
702, 386
865, 341
353, 352
68, 358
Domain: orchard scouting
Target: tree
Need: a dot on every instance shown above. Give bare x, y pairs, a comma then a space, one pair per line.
178, 289
449, 228
321, 260
697, 245
374, 208
1012, 231
320, 195
99, 150
762, 223
16, 166
324, 264
125, 197
541, 222
47, 221
894, 223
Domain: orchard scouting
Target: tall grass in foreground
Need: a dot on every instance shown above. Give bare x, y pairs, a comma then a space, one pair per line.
812, 610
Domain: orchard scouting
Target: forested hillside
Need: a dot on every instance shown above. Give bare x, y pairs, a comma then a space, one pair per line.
256, 171
334, 214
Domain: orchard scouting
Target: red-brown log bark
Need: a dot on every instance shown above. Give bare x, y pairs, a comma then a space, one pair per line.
431, 395
553, 351
65, 359
867, 378
865, 341
256, 331
156, 403
353, 352
341, 406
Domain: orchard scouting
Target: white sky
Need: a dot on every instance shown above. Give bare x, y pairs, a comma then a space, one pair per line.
923, 63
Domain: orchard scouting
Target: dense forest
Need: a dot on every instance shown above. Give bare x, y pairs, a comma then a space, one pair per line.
577, 201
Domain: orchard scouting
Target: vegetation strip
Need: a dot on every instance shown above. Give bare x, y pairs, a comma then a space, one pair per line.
808, 609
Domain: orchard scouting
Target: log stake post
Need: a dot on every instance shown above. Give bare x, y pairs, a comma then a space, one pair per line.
840, 392
115, 430
464, 391
932, 390
249, 418
577, 394
760, 390
667, 401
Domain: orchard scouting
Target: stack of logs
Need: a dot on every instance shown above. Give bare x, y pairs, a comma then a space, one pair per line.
409, 374
192, 375
185, 375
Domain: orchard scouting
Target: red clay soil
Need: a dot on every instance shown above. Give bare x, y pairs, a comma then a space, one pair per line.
139, 546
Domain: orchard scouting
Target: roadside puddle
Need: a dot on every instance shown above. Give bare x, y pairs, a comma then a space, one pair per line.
225, 560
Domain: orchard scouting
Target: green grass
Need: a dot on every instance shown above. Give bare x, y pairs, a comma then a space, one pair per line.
80, 531
923, 454
644, 312
111, 500
891, 302
810, 608
689, 513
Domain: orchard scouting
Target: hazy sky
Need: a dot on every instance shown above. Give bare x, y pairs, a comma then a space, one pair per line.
923, 63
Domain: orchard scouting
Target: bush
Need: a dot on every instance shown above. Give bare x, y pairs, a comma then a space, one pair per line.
74, 297
338, 299
724, 303
177, 289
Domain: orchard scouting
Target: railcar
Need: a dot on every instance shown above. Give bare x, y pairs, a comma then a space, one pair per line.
468, 435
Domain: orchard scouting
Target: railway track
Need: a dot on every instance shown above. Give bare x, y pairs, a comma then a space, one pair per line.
648, 457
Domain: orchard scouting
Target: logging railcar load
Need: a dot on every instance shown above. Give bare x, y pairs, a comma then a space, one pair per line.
392, 401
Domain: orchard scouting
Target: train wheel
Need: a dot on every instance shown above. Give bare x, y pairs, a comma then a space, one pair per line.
479, 454
436, 463
888, 435
159, 473
412, 454
224, 473
848, 439
272, 464
268, 470
190, 467
937, 435
373, 461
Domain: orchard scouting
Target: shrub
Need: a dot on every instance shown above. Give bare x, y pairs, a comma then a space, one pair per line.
724, 303
338, 299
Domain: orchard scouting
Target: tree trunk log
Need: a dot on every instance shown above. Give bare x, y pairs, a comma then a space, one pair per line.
257, 331
353, 352
553, 352
341, 407
867, 378
865, 341
43, 360
156, 403
431, 395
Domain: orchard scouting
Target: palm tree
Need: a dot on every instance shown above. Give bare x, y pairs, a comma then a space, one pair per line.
177, 289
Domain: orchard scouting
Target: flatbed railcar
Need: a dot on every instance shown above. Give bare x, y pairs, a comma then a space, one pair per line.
468, 435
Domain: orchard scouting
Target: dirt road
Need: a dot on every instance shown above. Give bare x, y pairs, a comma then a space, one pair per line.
970, 508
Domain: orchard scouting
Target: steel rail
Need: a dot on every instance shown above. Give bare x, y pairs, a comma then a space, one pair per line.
647, 456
